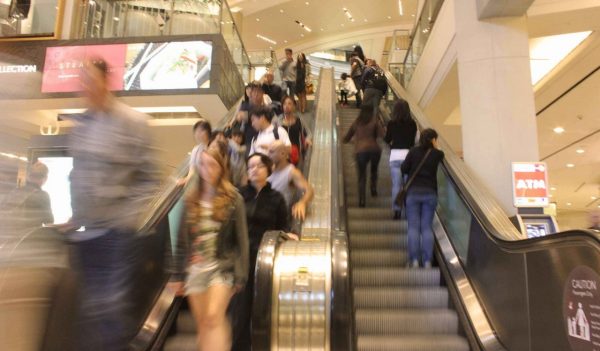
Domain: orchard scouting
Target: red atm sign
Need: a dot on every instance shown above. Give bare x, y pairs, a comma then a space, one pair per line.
530, 184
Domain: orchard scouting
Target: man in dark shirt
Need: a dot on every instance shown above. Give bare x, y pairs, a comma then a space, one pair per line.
29, 206
273, 90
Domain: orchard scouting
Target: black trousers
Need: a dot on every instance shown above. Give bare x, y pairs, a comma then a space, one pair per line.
362, 161
343, 96
240, 312
356, 81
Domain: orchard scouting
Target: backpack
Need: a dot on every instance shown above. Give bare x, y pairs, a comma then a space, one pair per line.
378, 81
275, 134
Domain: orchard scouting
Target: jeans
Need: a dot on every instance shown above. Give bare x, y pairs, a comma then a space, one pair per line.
291, 85
362, 160
397, 181
105, 265
420, 208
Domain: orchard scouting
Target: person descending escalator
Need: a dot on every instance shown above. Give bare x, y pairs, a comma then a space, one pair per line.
400, 135
266, 210
296, 128
303, 79
212, 250
421, 166
365, 130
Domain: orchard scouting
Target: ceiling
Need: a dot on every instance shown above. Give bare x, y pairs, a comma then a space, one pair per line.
275, 19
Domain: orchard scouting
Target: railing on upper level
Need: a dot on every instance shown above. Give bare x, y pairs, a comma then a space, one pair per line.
419, 38
155, 18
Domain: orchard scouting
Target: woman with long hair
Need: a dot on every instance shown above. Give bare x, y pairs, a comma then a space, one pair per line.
421, 198
400, 136
302, 79
296, 127
213, 247
365, 130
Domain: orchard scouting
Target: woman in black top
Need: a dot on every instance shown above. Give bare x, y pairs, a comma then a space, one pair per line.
421, 199
302, 75
400, 136
266, 210
294, 125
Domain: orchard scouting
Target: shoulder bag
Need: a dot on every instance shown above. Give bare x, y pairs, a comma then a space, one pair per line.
400, 199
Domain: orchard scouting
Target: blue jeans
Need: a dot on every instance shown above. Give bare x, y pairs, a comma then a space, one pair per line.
105, 266
397, 181
420, 208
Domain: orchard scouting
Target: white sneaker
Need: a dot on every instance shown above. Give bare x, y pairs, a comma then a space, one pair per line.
413, 264
427, 264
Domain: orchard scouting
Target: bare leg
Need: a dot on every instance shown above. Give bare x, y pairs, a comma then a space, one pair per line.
209, 310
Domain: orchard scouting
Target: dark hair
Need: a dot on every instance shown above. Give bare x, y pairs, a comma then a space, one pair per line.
215, 134
237, 132
365, 115
401, 111
204, 125
359, 51
256, 85
427, 136
289, 50
288, 97
344, 76
101, 65
246, 97
264, 159
262, 111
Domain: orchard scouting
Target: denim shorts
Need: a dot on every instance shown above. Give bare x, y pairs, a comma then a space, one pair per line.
201, 277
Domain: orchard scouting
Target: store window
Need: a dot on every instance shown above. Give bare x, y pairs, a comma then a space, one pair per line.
28, 18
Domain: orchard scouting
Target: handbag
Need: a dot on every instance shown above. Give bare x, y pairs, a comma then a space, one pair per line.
400, 199
310, 89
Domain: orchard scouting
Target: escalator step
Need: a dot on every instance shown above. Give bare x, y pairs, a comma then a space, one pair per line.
369, 213
412, 343
375, 226
373, 241
406, 321
378, 257
186, 342
395, 277
424, 297
380, 201
186, 323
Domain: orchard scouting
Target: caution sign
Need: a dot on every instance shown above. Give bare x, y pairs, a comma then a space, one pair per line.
581, 309
530, 184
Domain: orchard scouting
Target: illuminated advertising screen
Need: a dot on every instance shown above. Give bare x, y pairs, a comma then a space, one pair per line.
133, 67
58, 186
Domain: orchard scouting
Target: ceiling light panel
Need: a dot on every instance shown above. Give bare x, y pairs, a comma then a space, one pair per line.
268, 40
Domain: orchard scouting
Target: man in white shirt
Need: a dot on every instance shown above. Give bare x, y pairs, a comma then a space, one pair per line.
261, 121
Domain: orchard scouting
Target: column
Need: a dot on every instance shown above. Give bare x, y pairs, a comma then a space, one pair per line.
496, 97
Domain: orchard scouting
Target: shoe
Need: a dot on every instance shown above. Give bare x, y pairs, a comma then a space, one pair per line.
413, 264
427, 264
397, 215
374, 190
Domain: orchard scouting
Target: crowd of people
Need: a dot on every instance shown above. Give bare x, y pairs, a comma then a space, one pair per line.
413, 166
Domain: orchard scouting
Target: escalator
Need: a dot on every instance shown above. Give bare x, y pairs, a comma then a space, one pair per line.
396, 308
344, 286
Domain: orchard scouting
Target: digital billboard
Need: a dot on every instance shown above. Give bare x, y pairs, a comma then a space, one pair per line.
132, 67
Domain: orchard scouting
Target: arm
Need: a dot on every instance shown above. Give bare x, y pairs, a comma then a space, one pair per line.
350, 133
180, 248
305, 131
300, 183
388, 135
241, 231
380, 128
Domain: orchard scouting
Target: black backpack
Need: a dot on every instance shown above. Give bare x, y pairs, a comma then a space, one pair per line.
377, 80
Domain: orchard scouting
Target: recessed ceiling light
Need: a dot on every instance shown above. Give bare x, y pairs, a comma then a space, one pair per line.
342, 24
322, 29
553, 188
366, 20
285, 41
281, 11
268, 40
570, 165
389, 17
550, 195
302, 35
569, 204
257, 19
116, 19
580, 151
307, 3
559, 130
413, 15
594, 197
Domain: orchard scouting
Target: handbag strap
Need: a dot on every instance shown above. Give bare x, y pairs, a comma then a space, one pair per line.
414, 175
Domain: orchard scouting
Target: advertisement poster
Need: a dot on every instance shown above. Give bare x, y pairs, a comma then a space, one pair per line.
132, 67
